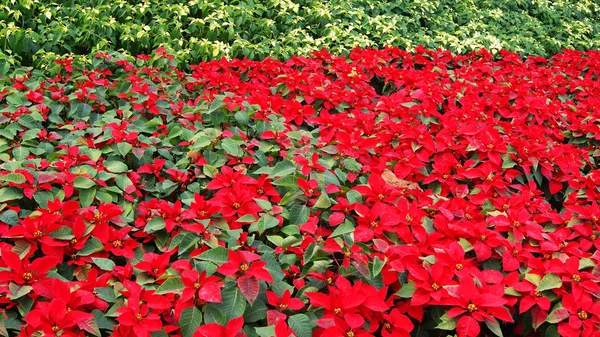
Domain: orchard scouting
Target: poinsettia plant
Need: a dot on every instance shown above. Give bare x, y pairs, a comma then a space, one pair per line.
383, 194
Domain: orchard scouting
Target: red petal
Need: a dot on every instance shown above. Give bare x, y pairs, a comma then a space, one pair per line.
467, 327
210, 292
159, 302
249, 286
336, 218
274, 316
354, 320
234, 326
538, 317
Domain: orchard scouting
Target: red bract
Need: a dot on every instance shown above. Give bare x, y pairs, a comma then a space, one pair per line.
232, 329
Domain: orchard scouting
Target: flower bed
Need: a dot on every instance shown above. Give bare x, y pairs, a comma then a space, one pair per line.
383, 194
38, 32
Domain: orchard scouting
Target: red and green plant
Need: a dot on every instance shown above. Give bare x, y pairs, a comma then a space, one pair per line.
383, 194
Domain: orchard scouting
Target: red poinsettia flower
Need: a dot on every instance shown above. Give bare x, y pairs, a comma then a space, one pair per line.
155, 264
283, 303
54, 318
581, 312
246, 267
139, 317
22, 271
476, 304
309, 164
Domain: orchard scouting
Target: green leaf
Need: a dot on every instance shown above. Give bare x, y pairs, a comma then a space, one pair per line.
87, 196
189, 321
170, 285
301, 324
155, 224
9, 217
233, 304
264, 204
267, 331
273, 266
212, 314
90, 326
116, 166
494, 326
14, 99
124, 148
106, 294
323, 201
353, 197
18, 291
407, 290
232, 147
93, 245
549, 281
298, 214
10, 193
310, 252
15, 178
104, 264
42, 198
283, 168
378, 265
4, 332
552, 331
83, 182
188, 242
558, 315
446, 323
246, 218
103, 322
123, 182
217, 255
345, 227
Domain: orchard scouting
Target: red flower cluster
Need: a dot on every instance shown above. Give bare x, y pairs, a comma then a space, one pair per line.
374, 195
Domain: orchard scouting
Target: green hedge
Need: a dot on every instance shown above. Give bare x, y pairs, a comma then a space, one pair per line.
34, 32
